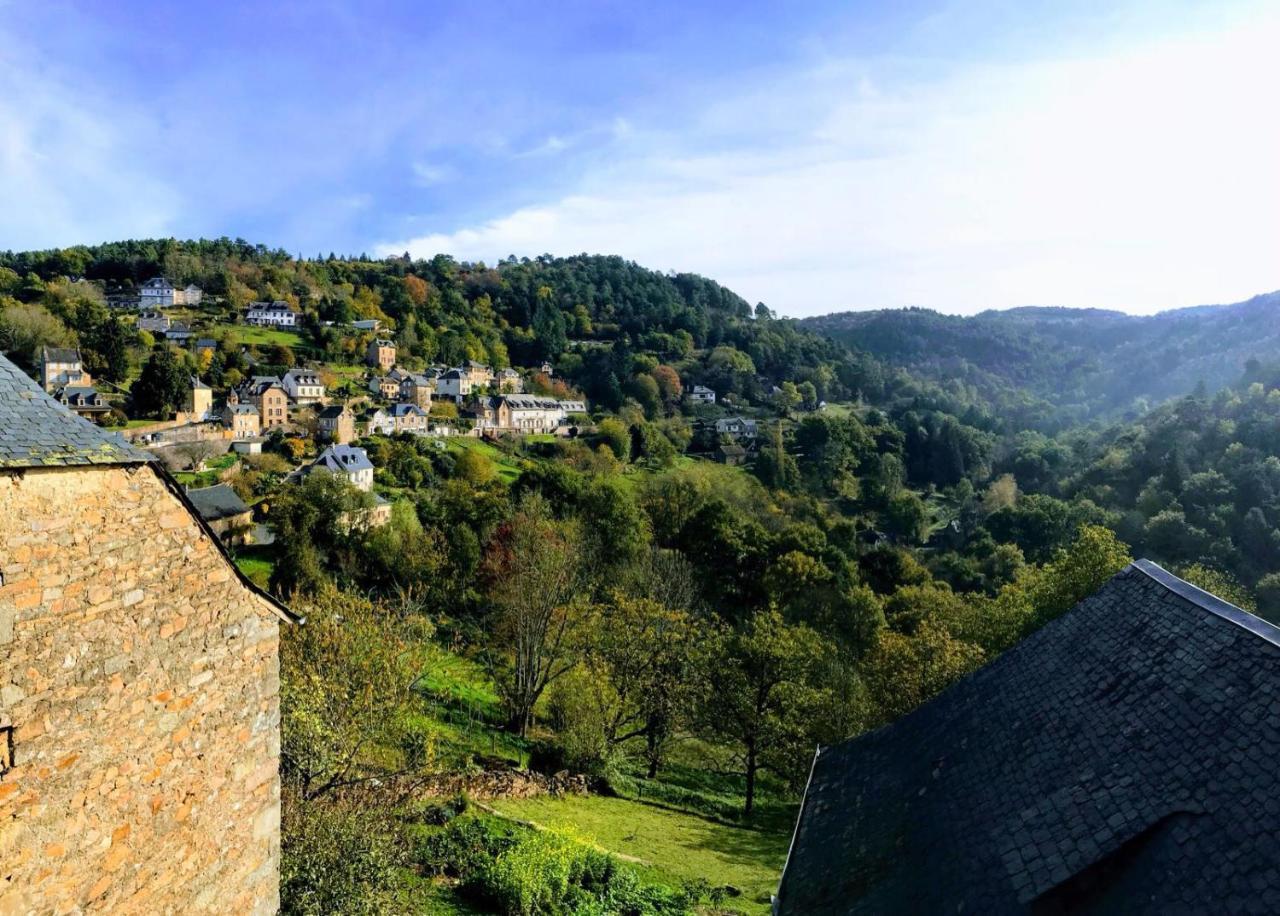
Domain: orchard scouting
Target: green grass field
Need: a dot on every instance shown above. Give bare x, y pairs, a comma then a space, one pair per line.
671, 844
507, 467
250, 334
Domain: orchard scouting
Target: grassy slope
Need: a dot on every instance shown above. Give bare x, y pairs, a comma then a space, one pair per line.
672, 844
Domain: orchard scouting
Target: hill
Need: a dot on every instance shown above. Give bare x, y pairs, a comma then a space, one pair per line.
1085, 363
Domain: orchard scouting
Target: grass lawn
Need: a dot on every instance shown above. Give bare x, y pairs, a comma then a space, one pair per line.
257, 563
508, 469
251, 334
674, 845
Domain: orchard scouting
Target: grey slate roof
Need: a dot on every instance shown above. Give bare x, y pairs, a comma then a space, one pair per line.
60, 355
217, 502
345, 459
37, 431
1122, 759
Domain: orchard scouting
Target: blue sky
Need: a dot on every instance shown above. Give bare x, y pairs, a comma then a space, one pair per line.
815, 156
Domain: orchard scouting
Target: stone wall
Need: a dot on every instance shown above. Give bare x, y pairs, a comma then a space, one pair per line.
140, 681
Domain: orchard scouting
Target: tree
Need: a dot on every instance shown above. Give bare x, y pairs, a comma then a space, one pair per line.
162, 386
536, 571
757, 695
614, 433
669, 385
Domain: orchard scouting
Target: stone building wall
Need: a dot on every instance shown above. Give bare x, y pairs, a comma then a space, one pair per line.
140, 682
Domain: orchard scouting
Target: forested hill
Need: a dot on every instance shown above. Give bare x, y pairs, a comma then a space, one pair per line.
1086, 363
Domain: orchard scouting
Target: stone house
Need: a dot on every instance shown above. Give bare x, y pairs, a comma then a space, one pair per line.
510, 382
60, 367
242, 420
336, 423
416, 389
179, 333
199, 400
139, 695
381, 354
384, 386
267, 393
224, 512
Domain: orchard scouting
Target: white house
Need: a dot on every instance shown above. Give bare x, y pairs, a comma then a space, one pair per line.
701, 394
303, 386
737, 427
277, 314
455, 384
349, 460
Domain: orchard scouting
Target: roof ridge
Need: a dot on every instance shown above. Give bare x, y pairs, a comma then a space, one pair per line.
1208, 601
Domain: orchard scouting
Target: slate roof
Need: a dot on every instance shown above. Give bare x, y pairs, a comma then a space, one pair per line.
1122, 759
217, 502
60, 355
37, 431
332, 412
344, 459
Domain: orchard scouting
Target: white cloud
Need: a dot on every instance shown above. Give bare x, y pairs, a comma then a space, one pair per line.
1142, 179
71, 163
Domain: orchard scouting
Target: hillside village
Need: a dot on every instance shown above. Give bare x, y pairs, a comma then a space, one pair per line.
312, 412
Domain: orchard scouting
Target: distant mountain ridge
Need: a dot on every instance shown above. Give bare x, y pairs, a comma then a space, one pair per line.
1086, 363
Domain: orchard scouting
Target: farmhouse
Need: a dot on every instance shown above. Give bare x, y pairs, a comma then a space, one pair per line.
139, 698
1118, 760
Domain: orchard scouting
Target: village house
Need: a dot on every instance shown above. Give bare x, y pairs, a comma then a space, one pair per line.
384, 386
381, 354
349, 461
366, 324
478, 374
701, 394
736, 427
199, 399
454, 384
510, 382
60, 367
160, 292
519, 413
547, 369
730, 453
398, 418
416, 389
276, 314
225, 512
139, 695
154, 322
336, 423
242, 420
266, 392
179, 333
303, 386
83, 400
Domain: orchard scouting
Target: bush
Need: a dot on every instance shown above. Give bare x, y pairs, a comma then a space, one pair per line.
338, 856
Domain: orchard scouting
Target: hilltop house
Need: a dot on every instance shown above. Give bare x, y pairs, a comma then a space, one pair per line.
265, 392
381, 354
199, 400
60, 367
303, 386
416, 389
1117, 760
224, 511
336, 423
154, 322
159, 292
139, 694
83, 400
701, 394
275, 314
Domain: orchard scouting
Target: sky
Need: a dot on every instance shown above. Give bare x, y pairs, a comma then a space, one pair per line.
816, 156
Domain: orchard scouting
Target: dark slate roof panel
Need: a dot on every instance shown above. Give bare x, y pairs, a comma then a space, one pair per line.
37, 431
217, 502
1119, 760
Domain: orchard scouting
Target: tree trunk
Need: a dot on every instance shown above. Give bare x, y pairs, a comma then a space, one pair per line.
751, 781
